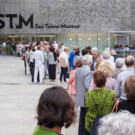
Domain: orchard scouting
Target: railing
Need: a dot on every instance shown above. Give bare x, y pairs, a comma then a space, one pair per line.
125, 53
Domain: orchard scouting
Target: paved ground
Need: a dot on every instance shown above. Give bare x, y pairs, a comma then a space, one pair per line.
19, 98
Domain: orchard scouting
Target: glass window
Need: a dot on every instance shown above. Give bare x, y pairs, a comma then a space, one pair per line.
17, 38
48, 38
87, 40
69, 40
1, 38
25, 38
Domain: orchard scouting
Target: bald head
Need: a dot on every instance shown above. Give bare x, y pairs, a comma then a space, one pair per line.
129, 61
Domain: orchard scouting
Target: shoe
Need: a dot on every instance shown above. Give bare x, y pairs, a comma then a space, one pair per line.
41, 82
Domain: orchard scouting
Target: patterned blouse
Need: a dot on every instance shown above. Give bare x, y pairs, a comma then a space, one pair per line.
98, 101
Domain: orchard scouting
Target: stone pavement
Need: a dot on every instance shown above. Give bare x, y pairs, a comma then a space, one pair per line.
19, 98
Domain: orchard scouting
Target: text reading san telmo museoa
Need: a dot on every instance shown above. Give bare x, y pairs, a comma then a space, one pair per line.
30, 21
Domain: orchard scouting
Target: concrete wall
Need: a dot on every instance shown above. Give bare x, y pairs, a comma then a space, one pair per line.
93, 16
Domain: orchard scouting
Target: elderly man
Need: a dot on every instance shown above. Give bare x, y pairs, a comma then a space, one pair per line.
96, 57
119, 64
39, 64
119, 87
83, 79
107, 56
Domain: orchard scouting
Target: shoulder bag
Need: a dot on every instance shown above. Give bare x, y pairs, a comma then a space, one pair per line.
115, 107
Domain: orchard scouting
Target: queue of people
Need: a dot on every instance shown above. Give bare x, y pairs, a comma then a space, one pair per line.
102, 86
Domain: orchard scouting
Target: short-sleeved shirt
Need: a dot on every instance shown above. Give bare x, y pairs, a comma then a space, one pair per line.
41, 131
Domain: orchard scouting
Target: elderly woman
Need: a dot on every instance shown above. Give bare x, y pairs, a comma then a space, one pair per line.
124, 120
78, 64
108, 69
63, 62
27, 60
52, 60
77, 56
55, 110
100, 100
119, 64
129, 88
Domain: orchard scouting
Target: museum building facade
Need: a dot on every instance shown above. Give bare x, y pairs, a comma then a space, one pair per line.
98, 23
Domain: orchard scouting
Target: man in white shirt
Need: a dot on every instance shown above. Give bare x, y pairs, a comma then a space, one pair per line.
55, 45
4, 49
39, 64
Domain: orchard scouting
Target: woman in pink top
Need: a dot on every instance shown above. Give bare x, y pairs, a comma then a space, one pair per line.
108, 69
78, 64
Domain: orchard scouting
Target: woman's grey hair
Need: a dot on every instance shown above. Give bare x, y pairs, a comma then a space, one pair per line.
96, 51
106, 55
119, 62
65, 48
86, 59
121, 123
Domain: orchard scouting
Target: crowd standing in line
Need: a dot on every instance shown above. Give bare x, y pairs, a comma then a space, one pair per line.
98, 84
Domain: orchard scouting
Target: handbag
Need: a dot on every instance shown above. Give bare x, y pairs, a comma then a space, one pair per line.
23, 56
96, 123
68, 89
115, 107
67, 75
62, 62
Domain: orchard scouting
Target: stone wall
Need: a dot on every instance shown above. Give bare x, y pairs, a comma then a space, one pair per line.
92, 16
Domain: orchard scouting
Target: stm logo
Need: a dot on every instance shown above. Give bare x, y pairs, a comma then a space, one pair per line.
21, 21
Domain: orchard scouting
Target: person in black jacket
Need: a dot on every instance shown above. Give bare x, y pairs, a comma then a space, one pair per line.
129, 88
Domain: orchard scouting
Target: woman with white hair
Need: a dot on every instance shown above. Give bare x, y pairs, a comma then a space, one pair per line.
122, 123
108, 68
119, 64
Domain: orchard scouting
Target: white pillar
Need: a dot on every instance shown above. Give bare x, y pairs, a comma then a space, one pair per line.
109, 43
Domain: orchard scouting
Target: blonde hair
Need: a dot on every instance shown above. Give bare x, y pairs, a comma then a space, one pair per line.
65, 48
107, 68
98, 63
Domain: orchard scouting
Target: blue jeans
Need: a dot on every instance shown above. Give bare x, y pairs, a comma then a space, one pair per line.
14, 53
63, 73
46, 69
3, 52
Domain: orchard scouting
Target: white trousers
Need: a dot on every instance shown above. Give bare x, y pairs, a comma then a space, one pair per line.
58, 68
27, 68
40, 70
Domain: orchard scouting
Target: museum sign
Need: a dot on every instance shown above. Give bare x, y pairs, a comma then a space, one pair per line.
30, 21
